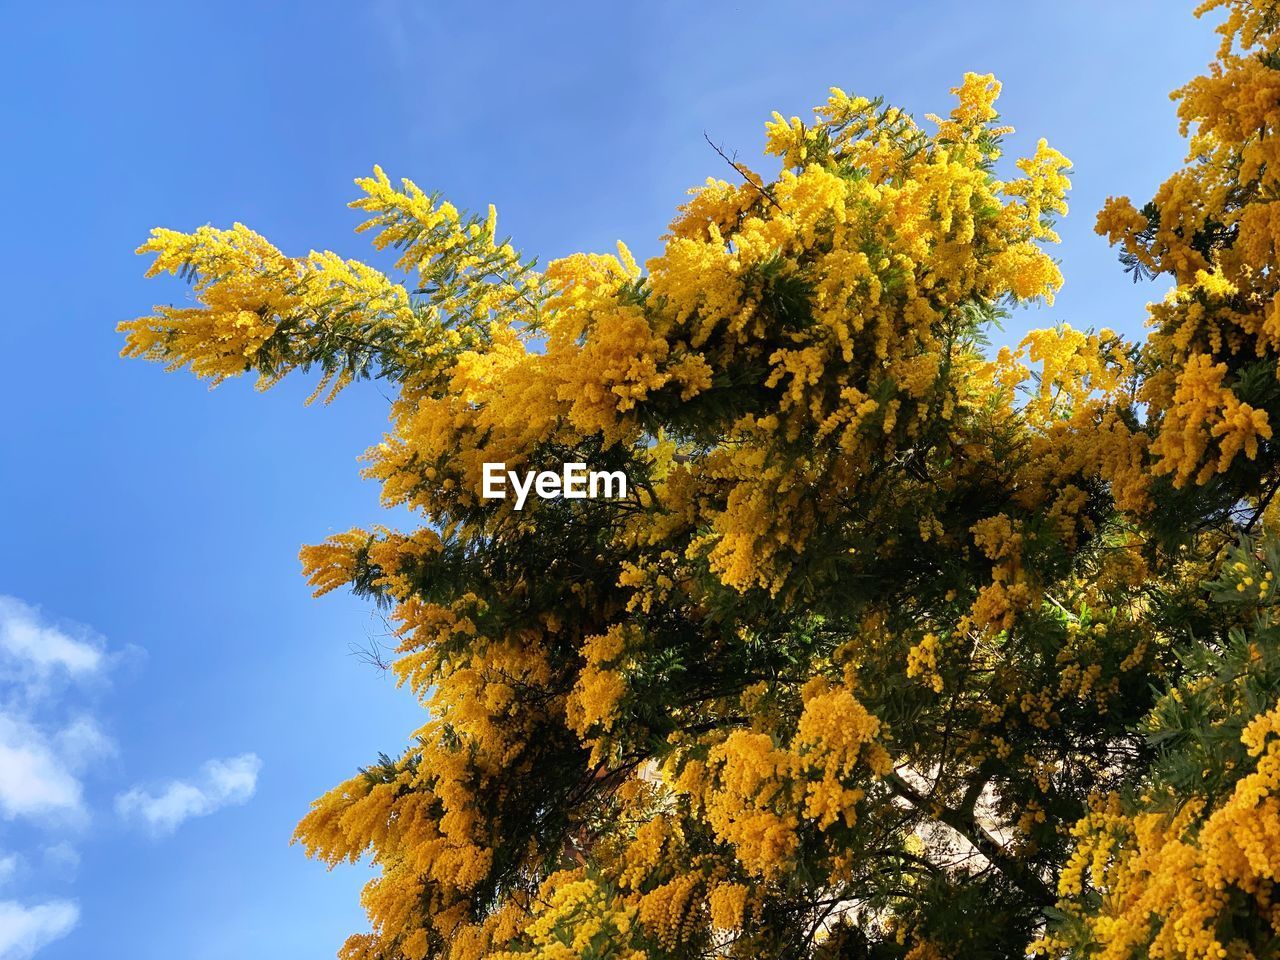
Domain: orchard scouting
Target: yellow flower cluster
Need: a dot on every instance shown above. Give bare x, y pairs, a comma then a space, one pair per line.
758, 795
580, 921
922, 662
260, 310
728, 905
862, 375
1168, 880
470, 278
1213, 229
999, 602
592, 707
1203, 413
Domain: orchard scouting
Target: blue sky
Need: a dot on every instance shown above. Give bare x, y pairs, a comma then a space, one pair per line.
171, 698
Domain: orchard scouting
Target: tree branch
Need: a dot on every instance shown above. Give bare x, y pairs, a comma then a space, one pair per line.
742, 172
1014, 870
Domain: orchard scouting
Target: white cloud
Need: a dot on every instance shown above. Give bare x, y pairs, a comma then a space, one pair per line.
82, 742
24, 930
42, 751
35, 781
31, 641
221, 783
47, 740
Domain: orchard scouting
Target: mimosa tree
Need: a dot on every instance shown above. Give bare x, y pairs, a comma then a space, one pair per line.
898, 646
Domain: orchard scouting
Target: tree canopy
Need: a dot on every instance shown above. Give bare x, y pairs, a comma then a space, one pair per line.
899, 646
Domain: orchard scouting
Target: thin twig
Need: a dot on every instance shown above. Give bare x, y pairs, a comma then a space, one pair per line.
742, 172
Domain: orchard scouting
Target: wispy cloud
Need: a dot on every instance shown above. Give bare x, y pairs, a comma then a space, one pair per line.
34, 780
42, 751
48, 740
24, 635
35, 650
220, 783
26, 929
